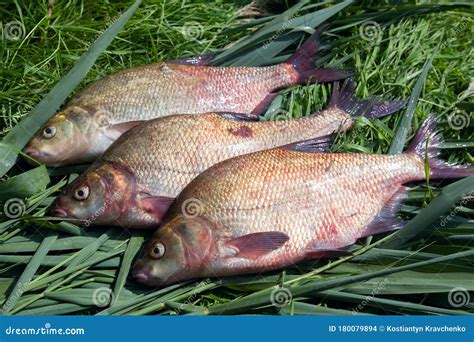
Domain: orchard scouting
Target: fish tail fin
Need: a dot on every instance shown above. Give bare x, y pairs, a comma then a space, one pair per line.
427, 145
343, 97
302, 62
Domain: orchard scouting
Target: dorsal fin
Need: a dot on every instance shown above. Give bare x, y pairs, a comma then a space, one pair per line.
316, 145
238, 116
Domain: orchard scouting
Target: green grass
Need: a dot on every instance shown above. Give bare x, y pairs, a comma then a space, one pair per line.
53, 267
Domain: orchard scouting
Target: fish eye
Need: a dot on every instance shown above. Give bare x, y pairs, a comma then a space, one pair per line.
49, 132
158, 251
81, 193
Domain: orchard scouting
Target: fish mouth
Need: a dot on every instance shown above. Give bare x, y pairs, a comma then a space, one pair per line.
35, 153
140, 276
59, 212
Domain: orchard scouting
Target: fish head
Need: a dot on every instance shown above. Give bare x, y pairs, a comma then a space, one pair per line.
178, 251
99, 196
66, 138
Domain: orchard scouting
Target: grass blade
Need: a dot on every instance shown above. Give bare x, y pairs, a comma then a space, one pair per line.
132, 249
262, 298
404, 125
30, 270
429, 215
25, 184
23, 131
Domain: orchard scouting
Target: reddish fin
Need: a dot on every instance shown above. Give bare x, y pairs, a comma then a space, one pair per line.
344, 98
116, 130
329, 253
316, 145
238, 116
426, 144
386, 220
156, 205
255, 245
263, 106
303, 59
196, 60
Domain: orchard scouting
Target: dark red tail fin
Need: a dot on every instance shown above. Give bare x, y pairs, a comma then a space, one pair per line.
426, 145
302, 62
344, 98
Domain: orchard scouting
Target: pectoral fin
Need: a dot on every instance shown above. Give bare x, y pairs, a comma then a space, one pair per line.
155, 205
255, 245
116, 130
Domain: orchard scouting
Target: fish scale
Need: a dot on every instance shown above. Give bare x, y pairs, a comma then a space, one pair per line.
203, 141
93, 119
272, 209
161, 156
314, 198
152, 91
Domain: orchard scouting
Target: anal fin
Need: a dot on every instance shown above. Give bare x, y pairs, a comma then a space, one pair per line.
387, 220
264, 104
317, 145
327, 253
